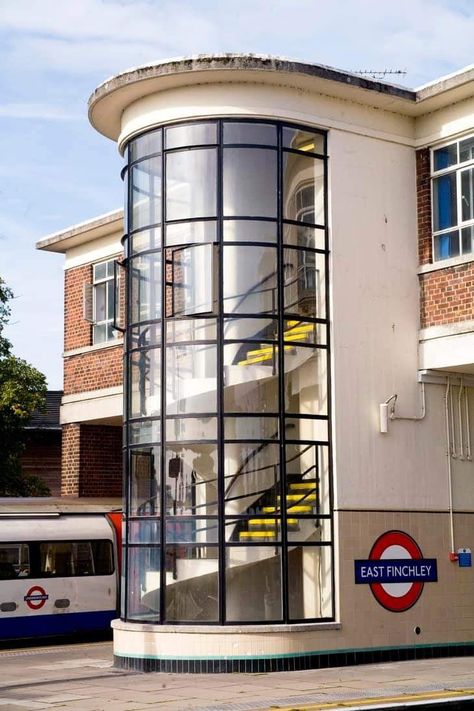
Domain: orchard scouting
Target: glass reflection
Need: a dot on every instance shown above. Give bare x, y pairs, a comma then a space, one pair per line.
191, 184
145, 145
252, 477
250, 280
144, 432
304, 284
253, 584
191, 134
257, 133
145, 383
146, 193
305, 380
303, 189
145, 272
143, 578
250, 231
191, 379
301, 140
250, 182
310, 582
191, 480
250, 377
191, 583
145, 482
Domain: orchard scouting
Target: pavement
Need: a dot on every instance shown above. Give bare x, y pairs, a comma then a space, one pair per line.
81, 676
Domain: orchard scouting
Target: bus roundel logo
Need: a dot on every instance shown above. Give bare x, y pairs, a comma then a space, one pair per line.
396, 571
36, 597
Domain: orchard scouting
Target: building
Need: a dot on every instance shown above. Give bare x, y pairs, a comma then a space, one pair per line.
42, 454
298, 254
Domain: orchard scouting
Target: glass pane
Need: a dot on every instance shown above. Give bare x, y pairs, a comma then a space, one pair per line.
145, 272
14, 561
145, 482
304, 236
191, 583
253, 584
145, 383
250, 378
250, 280
303, 189
145, 145
306, 429
467, 236
100, 271
146, 193
297, 331
189, 232
146, 240
191, 280
306, 378
258, 529
304, 285
445, 156
143, 582
99, 333
446, 245
258, 133
466, 150
252, 478
189, 529
196, 329
148, 335
252, 329
250, 182
308, 530
251, 428
467, 194
110, 299
310, 582
250, 231
191, 480
188, 428
301, 140
100, 299
191, 379
191, 184
191, 134
307, 473
144, 432
444, 202
144, 531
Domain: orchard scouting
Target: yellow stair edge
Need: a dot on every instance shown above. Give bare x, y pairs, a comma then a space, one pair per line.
299, 497
271, 521
303, 486
290, 509
257, 534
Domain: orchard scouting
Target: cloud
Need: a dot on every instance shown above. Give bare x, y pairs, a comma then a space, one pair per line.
41, 112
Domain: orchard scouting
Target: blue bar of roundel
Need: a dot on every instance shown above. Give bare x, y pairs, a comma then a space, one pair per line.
405, 570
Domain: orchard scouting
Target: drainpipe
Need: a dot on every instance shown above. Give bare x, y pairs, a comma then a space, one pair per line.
452, 555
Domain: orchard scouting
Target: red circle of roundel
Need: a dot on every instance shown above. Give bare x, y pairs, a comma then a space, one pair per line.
36, 597
404, 602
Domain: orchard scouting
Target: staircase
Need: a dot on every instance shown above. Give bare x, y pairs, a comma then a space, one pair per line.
297, 331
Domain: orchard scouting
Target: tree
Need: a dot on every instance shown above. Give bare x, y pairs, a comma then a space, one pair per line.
22, 390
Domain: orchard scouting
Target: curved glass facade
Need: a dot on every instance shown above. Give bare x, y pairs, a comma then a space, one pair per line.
227, 436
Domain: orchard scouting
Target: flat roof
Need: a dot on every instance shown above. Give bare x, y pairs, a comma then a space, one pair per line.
83, 232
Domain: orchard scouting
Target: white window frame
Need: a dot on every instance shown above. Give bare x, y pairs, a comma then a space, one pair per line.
458, 169
110, 333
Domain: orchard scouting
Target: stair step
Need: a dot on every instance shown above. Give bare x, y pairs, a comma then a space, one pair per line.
291, 509
295, 498
271, 522
261, 354
256, 535
303, 486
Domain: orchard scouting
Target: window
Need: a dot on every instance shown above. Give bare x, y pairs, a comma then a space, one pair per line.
453, 199
57, 559
99, 302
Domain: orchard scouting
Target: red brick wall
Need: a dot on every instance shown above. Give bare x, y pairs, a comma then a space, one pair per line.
92, 460
423, 189
42, 458
102, 368
447, 295
77, 331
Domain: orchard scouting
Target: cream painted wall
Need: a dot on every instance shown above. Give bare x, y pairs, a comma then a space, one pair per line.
445, 123
94, 251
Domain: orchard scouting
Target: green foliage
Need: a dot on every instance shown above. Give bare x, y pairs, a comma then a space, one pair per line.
22, 390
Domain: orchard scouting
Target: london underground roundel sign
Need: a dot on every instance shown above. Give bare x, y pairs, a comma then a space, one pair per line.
396, 571
36, 597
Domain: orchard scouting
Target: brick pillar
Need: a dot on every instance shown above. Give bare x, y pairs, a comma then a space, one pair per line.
92, 460
423, 196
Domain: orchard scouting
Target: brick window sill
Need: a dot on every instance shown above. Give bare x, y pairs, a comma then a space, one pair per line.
445, 264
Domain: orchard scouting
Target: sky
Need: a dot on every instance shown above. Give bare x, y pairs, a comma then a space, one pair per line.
56, 171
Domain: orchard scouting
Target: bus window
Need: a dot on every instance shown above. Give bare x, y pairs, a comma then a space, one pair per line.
62, 559
14, 561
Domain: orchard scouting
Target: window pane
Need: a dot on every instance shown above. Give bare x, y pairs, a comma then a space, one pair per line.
250, 280
466, 150
192, 134
308, 530
305, 380
303, 189
146, 240
147, 335
189, 529
191, 280
14, 561
252, 478
143, 582
110, 300
250, 231
75, 558
250, 182
310, 582
188, 428
145, 481
260, 528
467, 194
304, 285
192, 583
144, 432
301, 140
467, 234
144, 531
251, 428
253, 584
146, 193
304, 236
191, 480
145, 145
250, 378
191, 184
264, 134
444, 202
306, 429
252, 329
446, 245
100, 271
307, 472
145, 383
100, 295
191, 379
189, 232
297, 331
99, 333
196, 329
145, 274
445, 156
